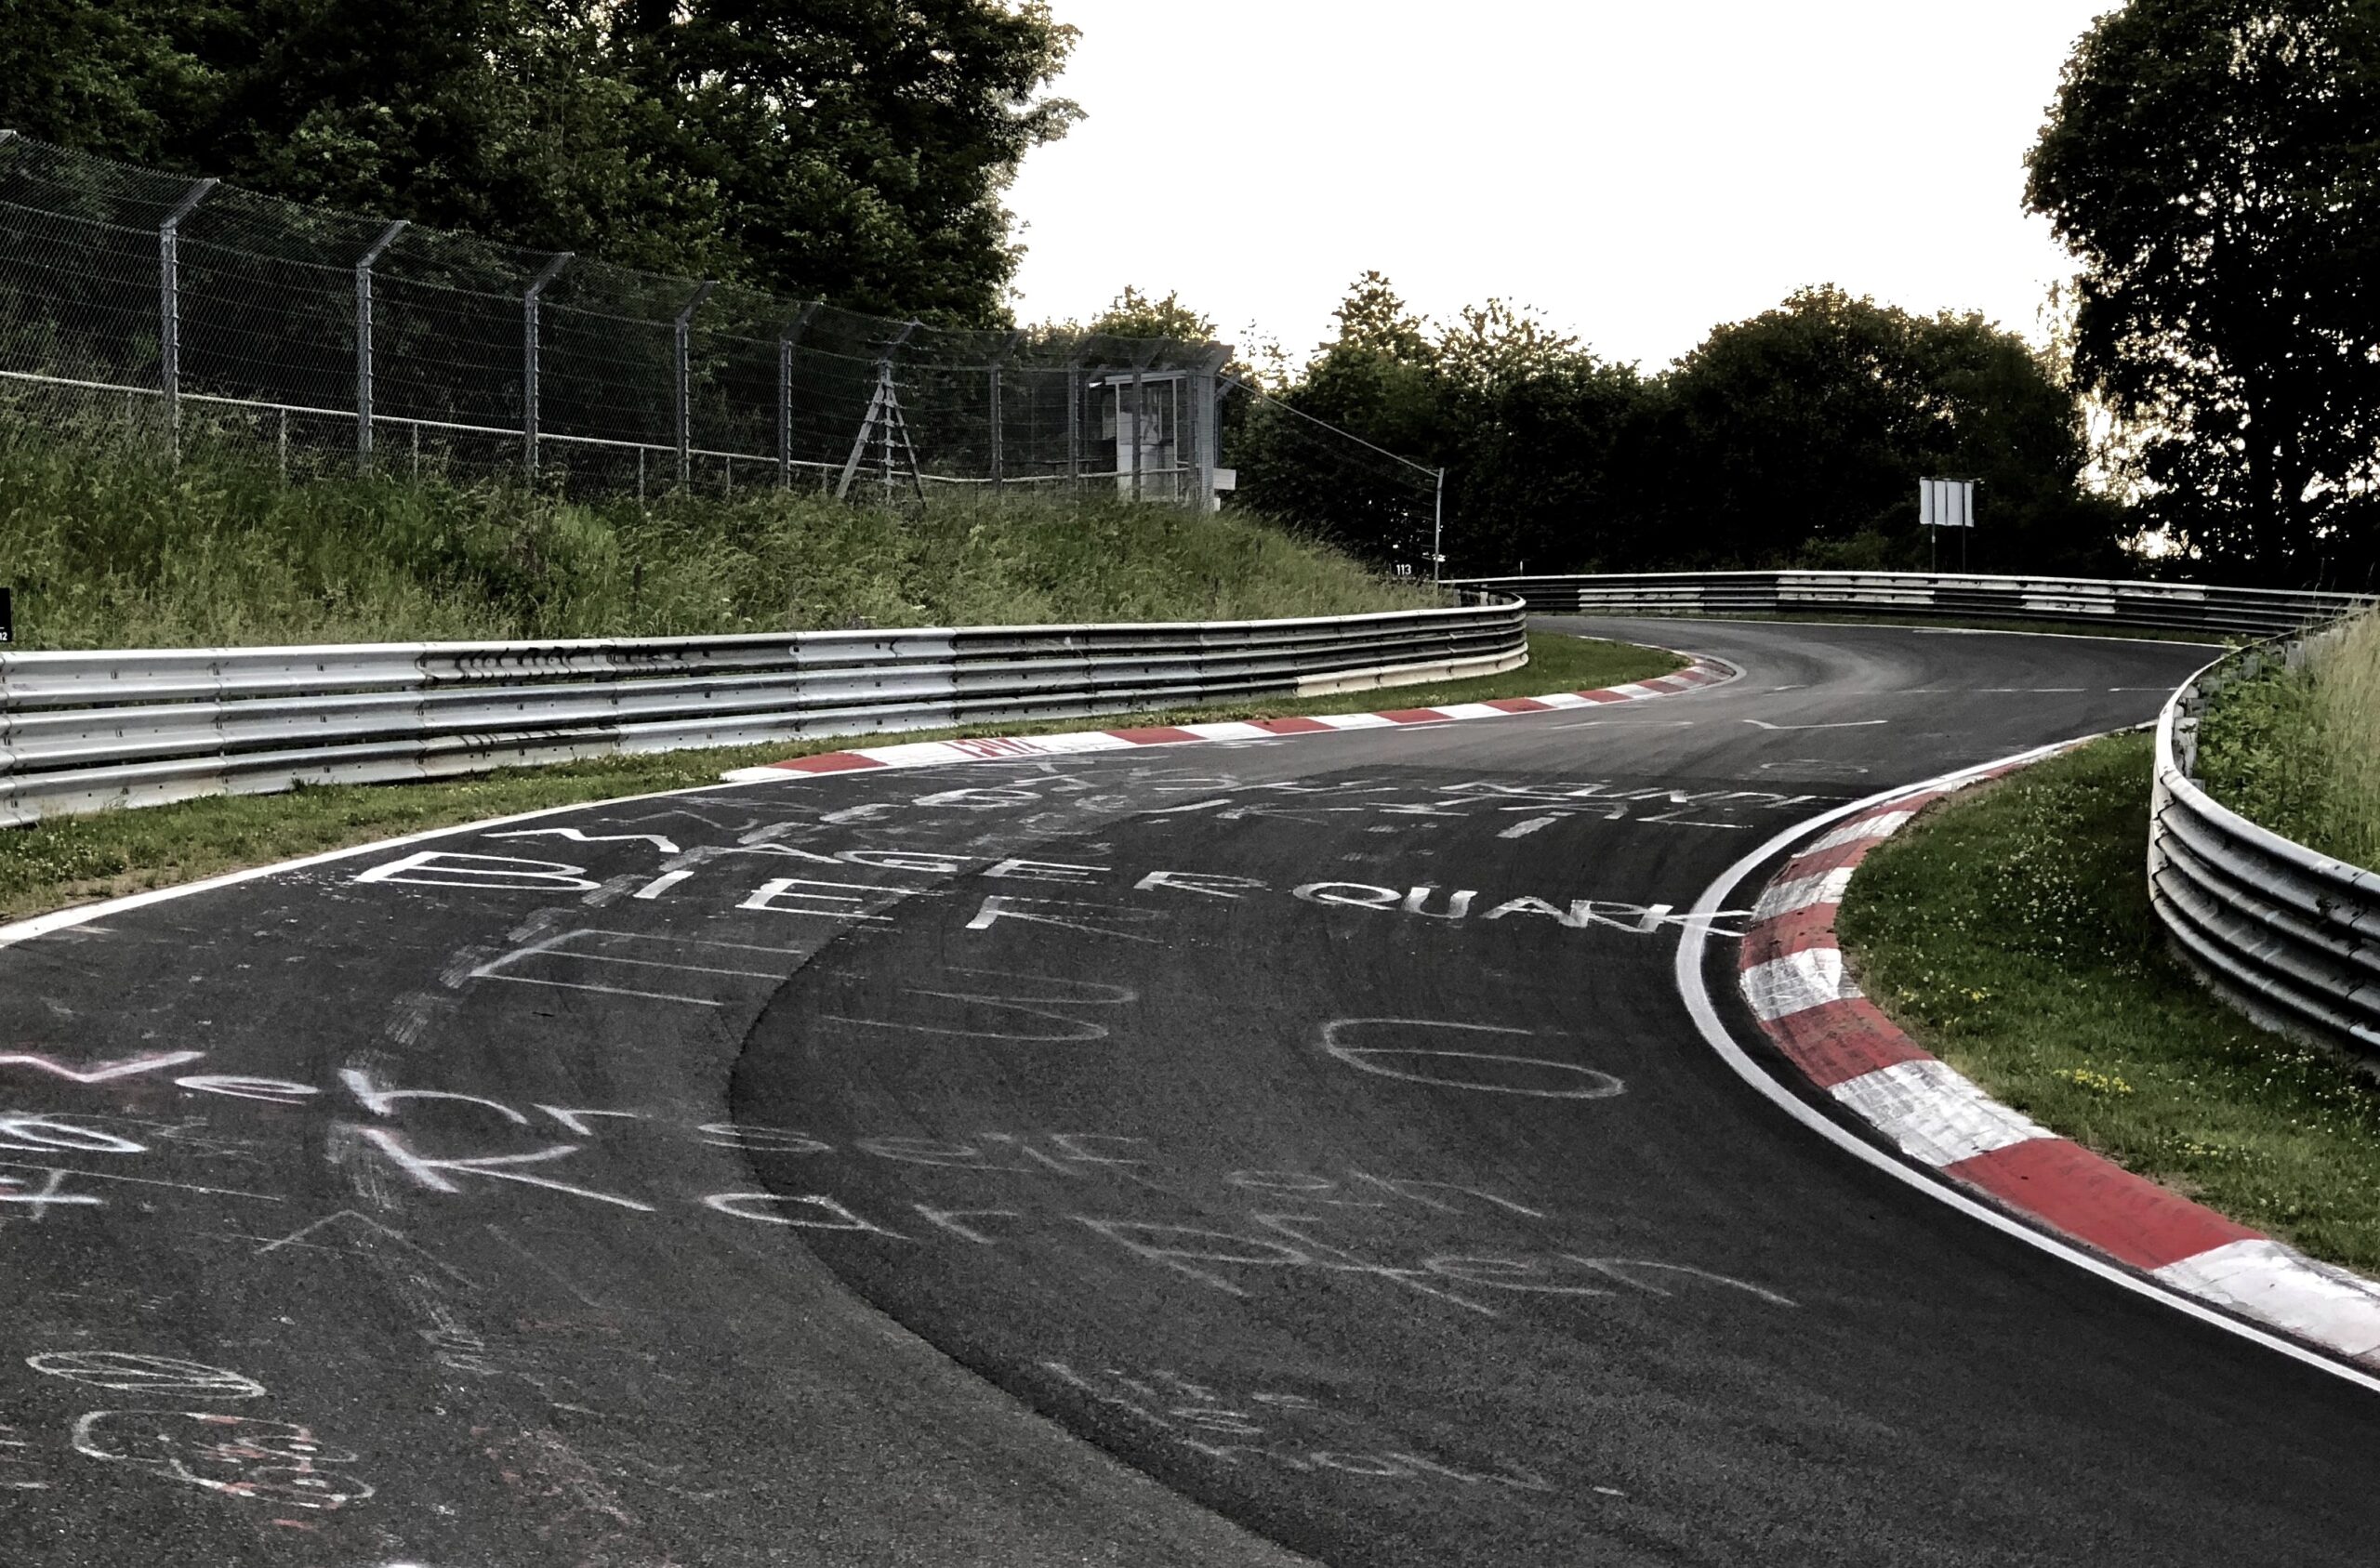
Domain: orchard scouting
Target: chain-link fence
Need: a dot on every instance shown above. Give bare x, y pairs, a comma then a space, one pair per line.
175, 310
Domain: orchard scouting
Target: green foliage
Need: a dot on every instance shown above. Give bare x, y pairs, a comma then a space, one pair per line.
1795, 438
2214, 164
1783, 438
853, 150
2010, 931
125, 553
2298, 750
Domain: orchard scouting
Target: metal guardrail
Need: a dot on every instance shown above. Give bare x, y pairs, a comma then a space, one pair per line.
2290, 936
86, 732
2081, 600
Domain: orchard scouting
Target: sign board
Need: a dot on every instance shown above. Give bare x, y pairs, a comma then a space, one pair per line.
1946, 502
1403, 570
8, 616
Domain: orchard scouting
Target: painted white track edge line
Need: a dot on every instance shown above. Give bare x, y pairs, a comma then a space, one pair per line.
1693, 943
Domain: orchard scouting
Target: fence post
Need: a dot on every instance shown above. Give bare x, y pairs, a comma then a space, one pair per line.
785, 393
1206, 427
1140, 411
1074, 418
992, 388
169, 318
531, 310
364, 342
685, 333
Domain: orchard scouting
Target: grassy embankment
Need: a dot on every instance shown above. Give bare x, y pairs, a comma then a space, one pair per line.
2010, 931
116, 554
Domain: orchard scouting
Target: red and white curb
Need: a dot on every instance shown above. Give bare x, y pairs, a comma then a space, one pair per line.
931, 754
1793, 975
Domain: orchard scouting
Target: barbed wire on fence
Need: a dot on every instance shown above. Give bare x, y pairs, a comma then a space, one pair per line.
171, 310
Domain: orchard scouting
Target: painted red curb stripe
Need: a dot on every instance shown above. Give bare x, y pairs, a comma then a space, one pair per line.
829, 763
2053, 1180
1835, 1042
993, 747
1795, 931
2094, 1199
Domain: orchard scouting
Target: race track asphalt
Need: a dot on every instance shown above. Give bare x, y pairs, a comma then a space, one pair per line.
1236, 1154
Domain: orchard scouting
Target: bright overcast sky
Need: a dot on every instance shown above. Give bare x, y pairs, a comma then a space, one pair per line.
1637, 171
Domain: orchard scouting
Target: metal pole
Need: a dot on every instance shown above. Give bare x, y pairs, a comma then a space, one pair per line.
685, 333
992, 387
1438, 531
785, 393
364, 341
170, 332
1140, 411
532, 310
1073, 421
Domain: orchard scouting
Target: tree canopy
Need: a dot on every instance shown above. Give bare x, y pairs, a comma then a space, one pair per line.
845, 148
2215, 166
1793, 438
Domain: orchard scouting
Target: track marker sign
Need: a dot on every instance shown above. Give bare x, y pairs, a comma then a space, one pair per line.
1946, 502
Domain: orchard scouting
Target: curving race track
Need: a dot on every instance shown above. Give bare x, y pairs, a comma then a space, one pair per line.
1230, 1153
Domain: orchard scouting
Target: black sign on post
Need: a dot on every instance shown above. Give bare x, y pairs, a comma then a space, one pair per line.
7, 617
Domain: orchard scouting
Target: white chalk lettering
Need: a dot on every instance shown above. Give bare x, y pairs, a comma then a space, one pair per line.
274, 1091
436, 1175
840, 1217
449, 868
1359, 895
1498, 1073
100, 1072
1211, 884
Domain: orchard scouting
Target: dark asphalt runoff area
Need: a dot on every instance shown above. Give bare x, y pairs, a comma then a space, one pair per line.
1240, 1154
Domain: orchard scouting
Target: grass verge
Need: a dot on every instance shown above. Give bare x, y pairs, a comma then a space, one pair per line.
110, 549
73, 860
2298, 751
2009, 932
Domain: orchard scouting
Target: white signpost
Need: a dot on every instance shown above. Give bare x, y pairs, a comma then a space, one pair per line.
1947, 503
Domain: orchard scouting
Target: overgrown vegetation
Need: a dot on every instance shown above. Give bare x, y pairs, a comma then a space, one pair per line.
2298, 750
72, 859
2010, 931
110, 548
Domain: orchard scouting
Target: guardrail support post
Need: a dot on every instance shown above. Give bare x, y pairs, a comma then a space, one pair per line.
785, 340
531, 308
684, 335
169, 314
364, 342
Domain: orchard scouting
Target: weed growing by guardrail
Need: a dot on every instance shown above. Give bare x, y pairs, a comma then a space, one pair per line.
112, 548
2297, 751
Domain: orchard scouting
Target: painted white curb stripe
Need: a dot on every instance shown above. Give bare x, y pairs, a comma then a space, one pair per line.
1883, 824
1784, 898
1797, 983
1934, 1113
2277, 1284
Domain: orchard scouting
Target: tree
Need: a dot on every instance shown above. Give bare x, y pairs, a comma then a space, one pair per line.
1800, 434
855, 149
2215, 166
